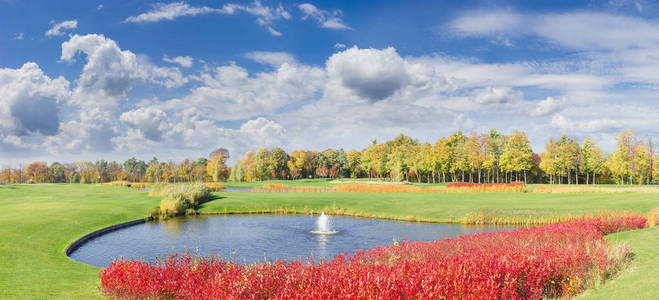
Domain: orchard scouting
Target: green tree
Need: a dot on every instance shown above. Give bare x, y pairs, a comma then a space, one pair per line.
56, 172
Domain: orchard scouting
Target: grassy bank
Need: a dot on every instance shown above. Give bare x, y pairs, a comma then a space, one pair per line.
640, 281
37, 223
438, 207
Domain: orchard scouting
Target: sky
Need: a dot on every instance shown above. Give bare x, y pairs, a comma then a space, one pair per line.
85, 80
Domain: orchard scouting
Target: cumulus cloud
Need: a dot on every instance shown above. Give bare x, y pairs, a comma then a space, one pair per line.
271, 58
325, 18
92, 131
584, 126
111, 72
548, 106
65, 25
358, 95
265, 15
151, 123
266, 131
229, 93
184, 61
30, 100
370, 73
496, 95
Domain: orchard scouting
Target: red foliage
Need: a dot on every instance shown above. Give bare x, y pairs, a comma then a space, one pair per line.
539, 262
334, 172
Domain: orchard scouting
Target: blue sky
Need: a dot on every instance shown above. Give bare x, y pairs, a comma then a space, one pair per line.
114, 79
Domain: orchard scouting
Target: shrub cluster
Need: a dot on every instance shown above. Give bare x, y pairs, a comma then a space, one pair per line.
551, 261
135, 185
179, 199
214, 187
469, 187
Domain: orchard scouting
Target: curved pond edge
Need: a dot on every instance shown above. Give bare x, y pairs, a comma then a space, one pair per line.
84, 239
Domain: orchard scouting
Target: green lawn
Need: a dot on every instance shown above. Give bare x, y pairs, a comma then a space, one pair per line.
38, 222
438, 207
641, 280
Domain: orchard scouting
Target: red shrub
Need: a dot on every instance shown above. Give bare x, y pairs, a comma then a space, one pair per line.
547, 261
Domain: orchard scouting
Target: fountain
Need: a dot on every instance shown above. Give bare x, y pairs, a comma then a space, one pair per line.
324, 225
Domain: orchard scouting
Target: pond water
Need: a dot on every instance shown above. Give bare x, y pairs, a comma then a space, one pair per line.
254, 238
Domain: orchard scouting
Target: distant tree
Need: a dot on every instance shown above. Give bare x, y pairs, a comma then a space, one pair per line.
217, 169
277, 164
548, 159
56, 172
37, 171
593, 159
219, 151
135, 169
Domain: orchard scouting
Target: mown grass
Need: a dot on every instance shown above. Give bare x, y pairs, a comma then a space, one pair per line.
640, 281
38, 222
437, 207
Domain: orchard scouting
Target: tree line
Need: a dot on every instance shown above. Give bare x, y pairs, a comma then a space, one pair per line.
490, 157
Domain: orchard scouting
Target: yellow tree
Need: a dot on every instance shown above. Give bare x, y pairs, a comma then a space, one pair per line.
354, 161
37, 171
216, 168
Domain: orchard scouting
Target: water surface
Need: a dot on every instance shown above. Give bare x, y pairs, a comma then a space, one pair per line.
254, 238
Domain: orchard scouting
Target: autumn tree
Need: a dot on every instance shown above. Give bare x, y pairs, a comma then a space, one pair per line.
37, 171
56, 172
593, 159
216, 168
354, 157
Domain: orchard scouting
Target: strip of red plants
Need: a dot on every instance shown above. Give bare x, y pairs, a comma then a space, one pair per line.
555, 260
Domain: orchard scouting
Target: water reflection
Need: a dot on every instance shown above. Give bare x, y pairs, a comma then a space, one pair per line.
254, 238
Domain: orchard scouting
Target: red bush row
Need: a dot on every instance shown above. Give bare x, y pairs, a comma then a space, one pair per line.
539, 262
472, 184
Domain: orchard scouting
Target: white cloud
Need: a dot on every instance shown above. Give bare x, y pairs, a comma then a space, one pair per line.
265, 15
548, 106
110, 72
358, 95
496, 95
184, 61
275, 59
573, 30
585, 126
65, 25
151, 123
325, 18
487, 22
171, 11
30, 101
19, 36
370, 73
339, 46
229, 93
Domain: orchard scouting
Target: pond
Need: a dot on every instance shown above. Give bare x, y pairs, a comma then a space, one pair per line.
255, 238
